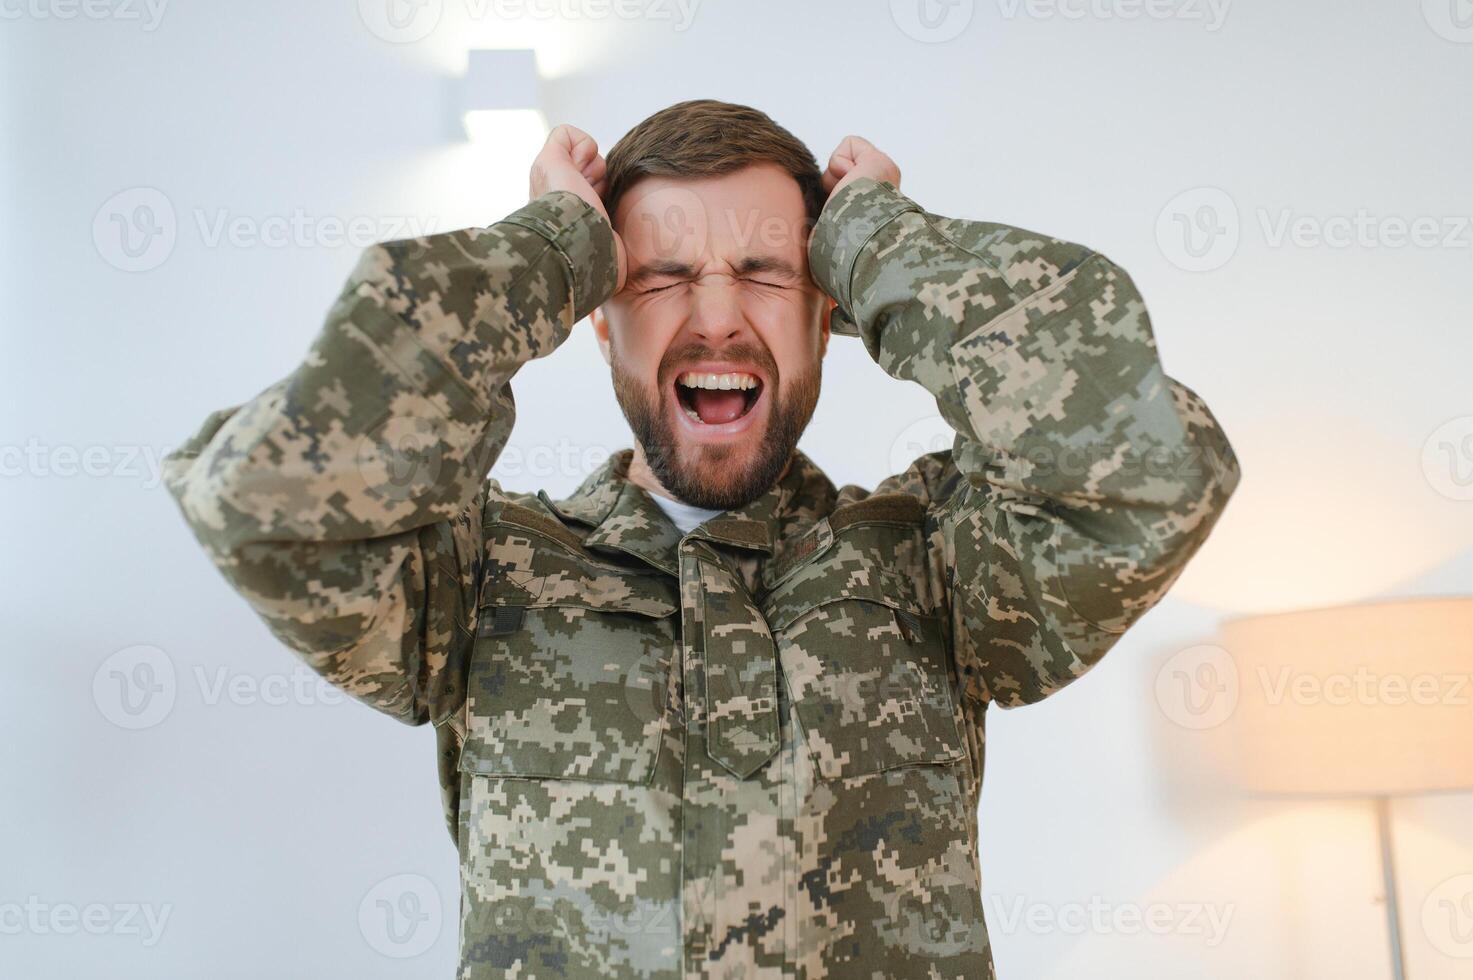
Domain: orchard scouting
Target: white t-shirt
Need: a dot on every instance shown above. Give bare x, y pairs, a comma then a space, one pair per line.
683, 515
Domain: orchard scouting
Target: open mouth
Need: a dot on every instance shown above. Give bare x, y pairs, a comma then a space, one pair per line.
716, 399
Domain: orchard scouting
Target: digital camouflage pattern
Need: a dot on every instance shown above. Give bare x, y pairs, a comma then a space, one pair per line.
754, 750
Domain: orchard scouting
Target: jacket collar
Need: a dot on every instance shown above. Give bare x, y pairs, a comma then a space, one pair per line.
625, 519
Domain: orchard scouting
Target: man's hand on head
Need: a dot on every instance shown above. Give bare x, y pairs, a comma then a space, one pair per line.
570, 161
857, 157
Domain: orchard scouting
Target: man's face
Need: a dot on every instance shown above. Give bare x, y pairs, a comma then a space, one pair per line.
717, 337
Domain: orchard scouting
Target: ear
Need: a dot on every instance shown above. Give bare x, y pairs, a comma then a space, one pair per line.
829, 305
601, 331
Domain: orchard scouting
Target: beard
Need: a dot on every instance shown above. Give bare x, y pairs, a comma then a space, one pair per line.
717, 477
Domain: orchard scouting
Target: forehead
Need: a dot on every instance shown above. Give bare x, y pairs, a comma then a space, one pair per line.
756, 209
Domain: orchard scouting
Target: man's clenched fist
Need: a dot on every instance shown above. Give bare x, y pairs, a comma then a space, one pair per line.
570, 161
857, 157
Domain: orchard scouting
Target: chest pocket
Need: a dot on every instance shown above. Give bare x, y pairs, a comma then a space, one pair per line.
864, 659
570, 674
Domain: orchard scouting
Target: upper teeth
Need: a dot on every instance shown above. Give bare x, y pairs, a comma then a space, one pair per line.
718, 381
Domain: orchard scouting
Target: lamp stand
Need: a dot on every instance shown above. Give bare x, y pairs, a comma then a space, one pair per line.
1388, 880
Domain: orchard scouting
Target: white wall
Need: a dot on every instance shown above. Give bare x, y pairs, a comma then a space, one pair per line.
259, 828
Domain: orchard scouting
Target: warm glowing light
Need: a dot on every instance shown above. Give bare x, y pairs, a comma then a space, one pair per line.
516, 130
1329, 511
1362, 700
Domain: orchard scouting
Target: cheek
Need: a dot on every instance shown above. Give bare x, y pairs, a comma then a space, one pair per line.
789, 327
640, 337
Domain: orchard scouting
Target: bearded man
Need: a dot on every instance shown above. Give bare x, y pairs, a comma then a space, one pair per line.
711, 716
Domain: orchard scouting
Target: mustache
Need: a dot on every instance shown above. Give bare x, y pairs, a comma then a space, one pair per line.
674, 360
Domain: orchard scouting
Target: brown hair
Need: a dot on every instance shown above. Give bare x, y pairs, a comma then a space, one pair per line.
706, 138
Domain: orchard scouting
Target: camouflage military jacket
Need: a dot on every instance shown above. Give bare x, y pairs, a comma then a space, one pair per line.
753, 750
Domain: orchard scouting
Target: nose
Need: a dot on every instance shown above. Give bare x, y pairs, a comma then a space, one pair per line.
716, 314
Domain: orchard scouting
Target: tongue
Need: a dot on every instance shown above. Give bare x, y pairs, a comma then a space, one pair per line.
715, 407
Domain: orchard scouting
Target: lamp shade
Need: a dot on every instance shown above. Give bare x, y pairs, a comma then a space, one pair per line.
501, 80
1363, 700
501, 100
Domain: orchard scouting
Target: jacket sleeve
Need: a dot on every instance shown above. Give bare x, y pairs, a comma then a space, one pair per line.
345, 502
1082, 478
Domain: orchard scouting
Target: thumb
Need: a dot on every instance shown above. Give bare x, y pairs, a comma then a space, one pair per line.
839, 167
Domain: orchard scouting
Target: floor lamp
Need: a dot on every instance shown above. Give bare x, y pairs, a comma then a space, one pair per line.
1368, 701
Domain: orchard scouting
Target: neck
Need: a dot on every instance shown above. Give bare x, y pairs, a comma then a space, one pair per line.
642, 476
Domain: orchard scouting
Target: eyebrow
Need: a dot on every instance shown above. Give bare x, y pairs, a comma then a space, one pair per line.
668, 268
660, 269
767, 263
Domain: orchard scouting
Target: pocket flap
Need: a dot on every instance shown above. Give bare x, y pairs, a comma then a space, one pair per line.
527, 570
571, 669
845, 570
871, 687
867, 550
